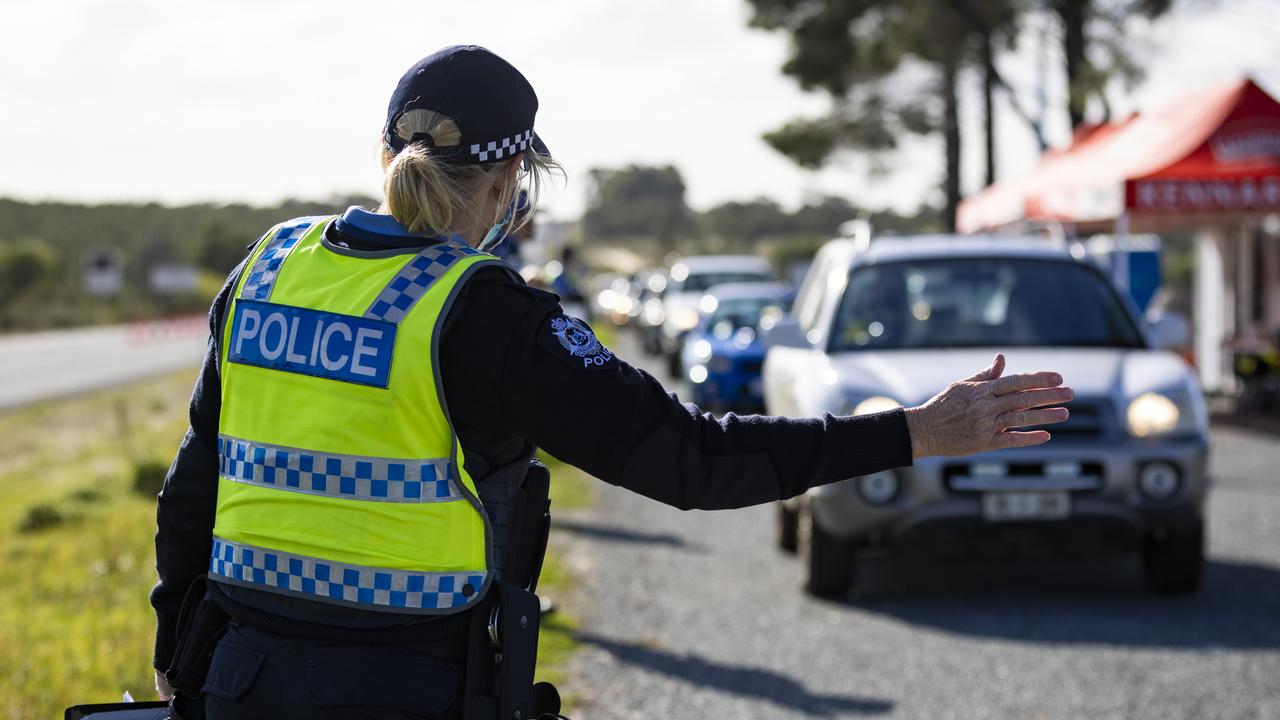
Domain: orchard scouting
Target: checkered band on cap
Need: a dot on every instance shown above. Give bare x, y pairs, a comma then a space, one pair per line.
415, 278
503, 147
262, 276
359, 585
351, 477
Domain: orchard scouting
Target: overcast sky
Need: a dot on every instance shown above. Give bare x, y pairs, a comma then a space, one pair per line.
246, 100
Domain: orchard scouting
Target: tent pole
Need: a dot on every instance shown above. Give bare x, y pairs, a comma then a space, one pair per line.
1209, 302
1270, 289
1245, 289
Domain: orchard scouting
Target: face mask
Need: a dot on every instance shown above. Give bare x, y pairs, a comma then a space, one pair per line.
498, 232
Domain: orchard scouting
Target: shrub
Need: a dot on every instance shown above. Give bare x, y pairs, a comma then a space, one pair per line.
87, 495
42, 517
148, 477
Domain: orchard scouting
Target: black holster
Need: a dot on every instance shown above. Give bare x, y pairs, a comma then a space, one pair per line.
502, 650
515, 499
201, 624
502, 647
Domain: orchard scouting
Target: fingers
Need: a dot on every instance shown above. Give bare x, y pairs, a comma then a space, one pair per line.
1028, 399
1010, 439
991, 372
1025, 381
1032, 418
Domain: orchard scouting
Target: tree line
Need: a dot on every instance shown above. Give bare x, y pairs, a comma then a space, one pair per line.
858, 51
44, 246
646, 205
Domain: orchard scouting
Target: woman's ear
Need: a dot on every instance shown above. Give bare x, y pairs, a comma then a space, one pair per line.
505, 177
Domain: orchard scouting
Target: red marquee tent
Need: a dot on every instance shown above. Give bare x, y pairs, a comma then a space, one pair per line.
1212, 156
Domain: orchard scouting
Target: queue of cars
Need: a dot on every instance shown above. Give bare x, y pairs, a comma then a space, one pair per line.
688, 282
881, 324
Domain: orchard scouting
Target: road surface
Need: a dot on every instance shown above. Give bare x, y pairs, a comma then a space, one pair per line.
38, 366
696, 615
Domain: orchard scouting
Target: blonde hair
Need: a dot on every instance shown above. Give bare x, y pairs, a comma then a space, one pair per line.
431, 196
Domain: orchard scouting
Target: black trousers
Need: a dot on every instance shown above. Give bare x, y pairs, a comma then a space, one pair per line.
257, 674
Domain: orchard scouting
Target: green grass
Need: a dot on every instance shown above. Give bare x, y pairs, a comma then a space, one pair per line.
571, 489
75, 625
76, 547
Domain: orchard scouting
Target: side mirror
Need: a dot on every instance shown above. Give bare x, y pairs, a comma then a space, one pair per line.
786, 333
1169, 330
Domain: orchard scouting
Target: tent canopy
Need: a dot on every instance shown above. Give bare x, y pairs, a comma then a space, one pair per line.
1214, 152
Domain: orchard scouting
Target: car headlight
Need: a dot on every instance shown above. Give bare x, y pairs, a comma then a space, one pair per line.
653, 312
697, 374
702, 350
875, 404
684, 318
1155, 414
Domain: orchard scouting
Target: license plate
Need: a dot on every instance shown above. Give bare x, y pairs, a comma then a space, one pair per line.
1030, 505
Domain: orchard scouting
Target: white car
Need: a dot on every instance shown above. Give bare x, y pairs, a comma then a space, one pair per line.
892, 322
688, 281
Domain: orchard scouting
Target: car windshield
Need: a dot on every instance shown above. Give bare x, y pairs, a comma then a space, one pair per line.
972, 302
734, 314
700, 282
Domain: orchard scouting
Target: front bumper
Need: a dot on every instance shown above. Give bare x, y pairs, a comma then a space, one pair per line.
932, 503
731, 389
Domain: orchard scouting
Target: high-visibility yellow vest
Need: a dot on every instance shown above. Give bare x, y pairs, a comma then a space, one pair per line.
341, 478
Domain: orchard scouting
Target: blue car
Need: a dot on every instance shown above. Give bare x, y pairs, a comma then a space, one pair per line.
722, 356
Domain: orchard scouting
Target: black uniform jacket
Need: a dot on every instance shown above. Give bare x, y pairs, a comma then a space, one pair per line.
512, 383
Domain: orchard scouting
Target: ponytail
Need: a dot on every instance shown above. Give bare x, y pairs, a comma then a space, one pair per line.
420, 194
430, 196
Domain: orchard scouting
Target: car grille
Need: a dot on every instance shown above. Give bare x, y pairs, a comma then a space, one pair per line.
984, 476
1089, 419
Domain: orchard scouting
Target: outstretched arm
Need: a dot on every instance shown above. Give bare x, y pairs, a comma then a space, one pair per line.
618, 423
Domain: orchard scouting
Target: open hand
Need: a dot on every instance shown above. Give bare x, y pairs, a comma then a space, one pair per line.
978, 413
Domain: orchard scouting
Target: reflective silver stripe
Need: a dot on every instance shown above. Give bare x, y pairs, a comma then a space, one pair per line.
359, 585
352, 477
262, 276
415, 278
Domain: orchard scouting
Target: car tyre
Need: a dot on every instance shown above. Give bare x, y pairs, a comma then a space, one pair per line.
788, 521
674, 366
1174, 564
649, 341
828, 560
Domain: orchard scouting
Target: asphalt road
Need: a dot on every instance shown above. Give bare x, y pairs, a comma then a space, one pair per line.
38, 366
696, 615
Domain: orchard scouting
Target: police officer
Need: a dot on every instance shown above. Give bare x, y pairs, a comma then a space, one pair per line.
370, 384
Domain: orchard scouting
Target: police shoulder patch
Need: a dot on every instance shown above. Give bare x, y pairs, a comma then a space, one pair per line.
573, 342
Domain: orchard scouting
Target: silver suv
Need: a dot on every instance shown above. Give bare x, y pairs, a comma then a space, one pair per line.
891, 322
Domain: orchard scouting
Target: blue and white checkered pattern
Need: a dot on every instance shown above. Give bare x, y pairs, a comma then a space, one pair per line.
341, 476
505, 147
413, 280
359, 585
262, 276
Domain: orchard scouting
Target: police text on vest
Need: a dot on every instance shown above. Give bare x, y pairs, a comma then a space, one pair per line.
312, 342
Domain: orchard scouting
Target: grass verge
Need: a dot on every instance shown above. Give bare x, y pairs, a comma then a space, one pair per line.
77, 559
571, 489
